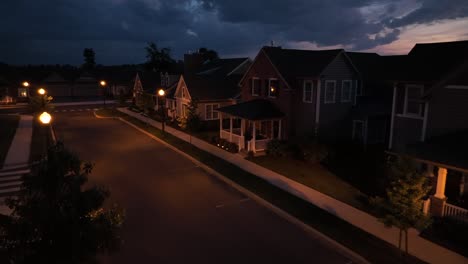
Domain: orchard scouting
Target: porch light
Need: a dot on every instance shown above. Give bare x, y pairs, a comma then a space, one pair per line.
272, 89
103, 83
25, 84
161, 92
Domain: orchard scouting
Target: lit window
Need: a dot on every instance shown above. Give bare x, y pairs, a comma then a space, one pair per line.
210, 114
413, 102
346, 91
330, 91
22, 92
255, 87
273, 86
307, 94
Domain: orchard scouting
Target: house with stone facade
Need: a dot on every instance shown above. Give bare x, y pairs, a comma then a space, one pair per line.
429, 121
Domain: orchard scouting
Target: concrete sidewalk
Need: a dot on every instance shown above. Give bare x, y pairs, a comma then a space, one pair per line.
18, 153
418, 246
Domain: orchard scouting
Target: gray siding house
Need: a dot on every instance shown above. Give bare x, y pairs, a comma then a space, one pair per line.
430, 120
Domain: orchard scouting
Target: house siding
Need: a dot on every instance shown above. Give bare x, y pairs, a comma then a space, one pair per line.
202, 106
447, 112
335, 122
304, 118
263, 69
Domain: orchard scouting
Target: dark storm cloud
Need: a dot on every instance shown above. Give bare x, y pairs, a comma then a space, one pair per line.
433, 10
56, 31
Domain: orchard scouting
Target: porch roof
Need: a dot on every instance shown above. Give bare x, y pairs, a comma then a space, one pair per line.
258, 109
450, 150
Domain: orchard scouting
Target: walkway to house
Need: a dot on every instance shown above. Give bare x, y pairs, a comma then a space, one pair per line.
17, 161
418, 246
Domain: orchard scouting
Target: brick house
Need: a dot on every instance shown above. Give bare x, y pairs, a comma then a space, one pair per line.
289, 93
430, 119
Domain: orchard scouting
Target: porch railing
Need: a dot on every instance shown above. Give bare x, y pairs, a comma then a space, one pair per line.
260, 144
239, 140
455, 212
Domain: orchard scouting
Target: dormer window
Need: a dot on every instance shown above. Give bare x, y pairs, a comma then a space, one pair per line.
273, 87
413, 102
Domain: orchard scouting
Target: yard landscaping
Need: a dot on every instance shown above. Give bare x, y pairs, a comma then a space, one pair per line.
315, 176
366, 245
8, 125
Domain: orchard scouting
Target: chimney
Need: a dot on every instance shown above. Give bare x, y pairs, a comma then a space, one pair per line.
192, 62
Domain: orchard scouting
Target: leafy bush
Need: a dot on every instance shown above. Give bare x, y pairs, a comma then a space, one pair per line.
277, 148
224, 144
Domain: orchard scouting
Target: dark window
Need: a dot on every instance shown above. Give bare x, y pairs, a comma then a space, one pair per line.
413, 100
255, 87
307, 92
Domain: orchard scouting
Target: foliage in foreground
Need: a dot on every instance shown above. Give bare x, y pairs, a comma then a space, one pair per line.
55, 219
402, 206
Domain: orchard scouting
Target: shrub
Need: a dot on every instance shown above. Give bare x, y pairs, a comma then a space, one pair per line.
250, 155
277, 148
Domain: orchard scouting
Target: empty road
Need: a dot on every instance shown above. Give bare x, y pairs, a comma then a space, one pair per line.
175, 211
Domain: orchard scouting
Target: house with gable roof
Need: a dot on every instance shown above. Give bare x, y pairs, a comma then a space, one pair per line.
429, 121
288, 93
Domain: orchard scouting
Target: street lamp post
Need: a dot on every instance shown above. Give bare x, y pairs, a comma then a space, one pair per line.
46, 119
42, 93
162, 94
103, 85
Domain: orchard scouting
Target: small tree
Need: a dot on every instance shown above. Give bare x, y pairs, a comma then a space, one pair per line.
89, 58
158, 59
403, 204
193, 122
40, 103
55, 219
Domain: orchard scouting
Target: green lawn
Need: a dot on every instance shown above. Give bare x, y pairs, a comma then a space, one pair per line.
365, 244
314, 176
8, 125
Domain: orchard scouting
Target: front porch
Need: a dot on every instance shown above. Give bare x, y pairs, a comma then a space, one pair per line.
252, 124
249, 135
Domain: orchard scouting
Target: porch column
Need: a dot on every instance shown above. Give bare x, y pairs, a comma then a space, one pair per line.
253, 137
220, 124
441, 179
241, 139
462, 184
272, 133
438, 200
230, 129
279, 129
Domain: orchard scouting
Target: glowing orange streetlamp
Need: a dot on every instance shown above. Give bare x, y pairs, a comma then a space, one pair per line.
103, 85
161, 94
26, 84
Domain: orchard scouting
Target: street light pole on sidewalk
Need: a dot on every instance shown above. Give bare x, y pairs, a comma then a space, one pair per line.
46, 119
162, 94
103, 85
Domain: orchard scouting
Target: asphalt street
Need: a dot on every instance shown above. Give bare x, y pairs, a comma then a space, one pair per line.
175, 211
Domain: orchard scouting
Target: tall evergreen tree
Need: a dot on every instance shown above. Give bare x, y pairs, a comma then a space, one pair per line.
403, 205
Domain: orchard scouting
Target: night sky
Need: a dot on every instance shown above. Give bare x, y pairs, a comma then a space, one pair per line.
56, 31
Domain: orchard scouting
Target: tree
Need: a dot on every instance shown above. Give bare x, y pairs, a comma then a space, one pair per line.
40, 103
158, 59
89, 58
192, 122
208, 54
402, 206
55, 219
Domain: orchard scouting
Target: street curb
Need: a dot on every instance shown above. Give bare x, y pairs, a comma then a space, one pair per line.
310, 230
